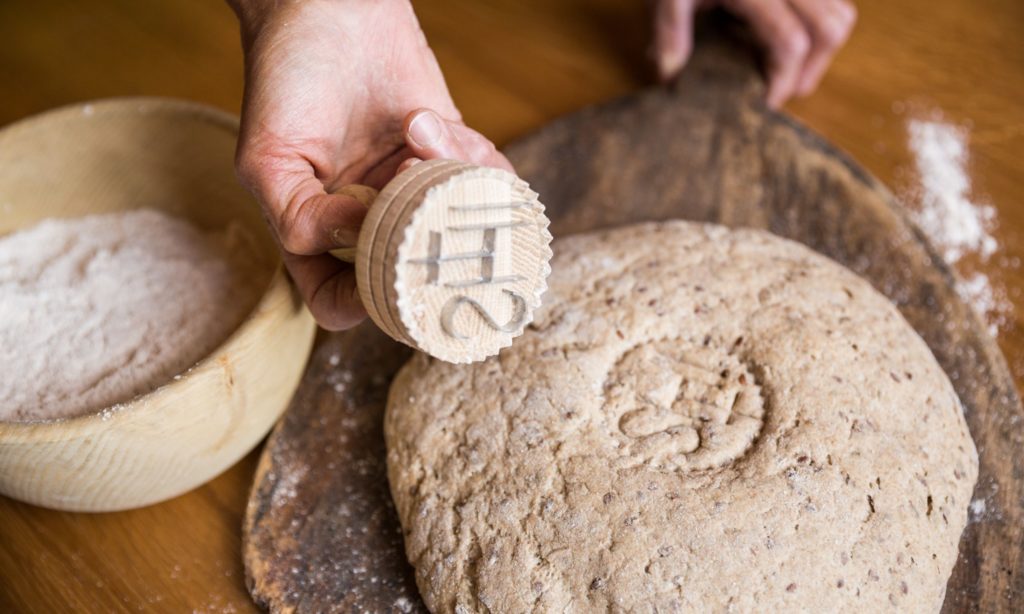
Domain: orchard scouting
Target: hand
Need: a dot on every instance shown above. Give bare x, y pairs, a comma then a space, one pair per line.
338, 93
799, 36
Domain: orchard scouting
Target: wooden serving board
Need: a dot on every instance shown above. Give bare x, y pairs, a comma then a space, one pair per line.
320, 532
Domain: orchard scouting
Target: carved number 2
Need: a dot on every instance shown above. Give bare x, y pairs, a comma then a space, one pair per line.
486, 257
452, 305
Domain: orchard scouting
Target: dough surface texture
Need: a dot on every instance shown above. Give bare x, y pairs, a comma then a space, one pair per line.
698, 419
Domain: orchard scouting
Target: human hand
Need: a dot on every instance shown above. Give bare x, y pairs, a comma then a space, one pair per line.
338, 93
799, 36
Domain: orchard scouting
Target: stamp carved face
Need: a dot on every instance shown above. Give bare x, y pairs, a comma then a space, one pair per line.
473, 262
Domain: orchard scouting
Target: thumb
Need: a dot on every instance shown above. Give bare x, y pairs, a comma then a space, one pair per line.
430, 136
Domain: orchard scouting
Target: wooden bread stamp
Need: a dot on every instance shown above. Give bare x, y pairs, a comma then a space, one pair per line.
452, 258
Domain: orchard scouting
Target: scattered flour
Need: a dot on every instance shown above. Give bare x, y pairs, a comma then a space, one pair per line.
977, 509
99, 309
948, 216
956, 225
978, 292
287, 487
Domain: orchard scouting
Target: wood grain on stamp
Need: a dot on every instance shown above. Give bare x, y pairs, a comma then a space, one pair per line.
452, 258
621, 163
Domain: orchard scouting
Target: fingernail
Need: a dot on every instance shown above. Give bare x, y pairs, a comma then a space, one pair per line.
668, 64
427, 130
344, 237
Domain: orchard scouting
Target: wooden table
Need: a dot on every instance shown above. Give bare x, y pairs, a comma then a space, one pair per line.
512, 66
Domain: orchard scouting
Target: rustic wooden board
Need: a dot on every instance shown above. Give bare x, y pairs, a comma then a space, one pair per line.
320, 532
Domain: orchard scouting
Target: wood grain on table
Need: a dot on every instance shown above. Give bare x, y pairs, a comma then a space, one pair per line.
512, 66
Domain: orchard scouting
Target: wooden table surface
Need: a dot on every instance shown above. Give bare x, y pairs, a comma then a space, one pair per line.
512, 66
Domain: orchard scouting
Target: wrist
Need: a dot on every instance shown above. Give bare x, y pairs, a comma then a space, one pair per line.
255, 15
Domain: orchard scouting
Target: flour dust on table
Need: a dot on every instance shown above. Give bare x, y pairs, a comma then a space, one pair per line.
959, 224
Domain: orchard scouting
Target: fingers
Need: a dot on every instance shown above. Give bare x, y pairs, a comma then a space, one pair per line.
407, 164
320, 223
786, 40
673, 35
429, 136
800, 36
364, 194
305, 218
328, 287
308, 222
829, 23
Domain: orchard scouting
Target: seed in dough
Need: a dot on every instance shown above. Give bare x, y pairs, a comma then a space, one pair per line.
699, 419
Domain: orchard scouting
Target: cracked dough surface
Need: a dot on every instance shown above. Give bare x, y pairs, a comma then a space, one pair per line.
698, 419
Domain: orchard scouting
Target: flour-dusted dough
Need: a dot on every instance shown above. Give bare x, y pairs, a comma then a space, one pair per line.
697, 420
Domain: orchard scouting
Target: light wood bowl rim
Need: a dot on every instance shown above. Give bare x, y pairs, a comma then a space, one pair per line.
113, 415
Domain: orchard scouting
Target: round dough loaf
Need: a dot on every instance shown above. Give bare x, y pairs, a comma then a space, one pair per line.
698, 419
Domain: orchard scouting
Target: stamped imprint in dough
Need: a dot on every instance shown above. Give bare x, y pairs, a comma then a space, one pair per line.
681, 407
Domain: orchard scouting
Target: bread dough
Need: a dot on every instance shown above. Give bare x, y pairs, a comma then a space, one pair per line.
698, 419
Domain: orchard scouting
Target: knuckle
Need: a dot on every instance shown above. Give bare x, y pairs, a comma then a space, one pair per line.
481, 151
337, 312
834, 31
294, 238
795, 43
847, 12
295, 243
